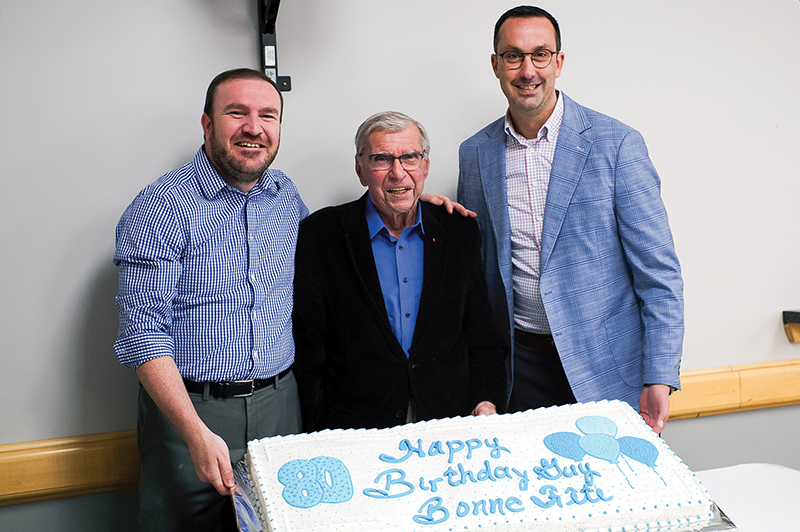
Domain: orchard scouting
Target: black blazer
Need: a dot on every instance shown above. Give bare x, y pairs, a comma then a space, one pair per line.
351, 370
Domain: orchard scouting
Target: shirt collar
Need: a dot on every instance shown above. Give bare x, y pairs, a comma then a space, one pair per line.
212, 183
375, 224
549, 129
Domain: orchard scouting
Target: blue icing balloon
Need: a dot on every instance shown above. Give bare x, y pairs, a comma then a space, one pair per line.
565, 444
600, 446
640, 450
597, 425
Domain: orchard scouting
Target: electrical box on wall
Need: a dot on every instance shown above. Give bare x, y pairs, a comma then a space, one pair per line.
267, 15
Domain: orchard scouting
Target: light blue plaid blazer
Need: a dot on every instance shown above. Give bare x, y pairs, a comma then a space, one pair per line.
610, 279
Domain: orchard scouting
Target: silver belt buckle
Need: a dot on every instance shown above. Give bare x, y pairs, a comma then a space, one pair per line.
252, 388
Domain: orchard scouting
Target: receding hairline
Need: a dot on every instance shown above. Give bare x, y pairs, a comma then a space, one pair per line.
389, 121
524, 12
234, 75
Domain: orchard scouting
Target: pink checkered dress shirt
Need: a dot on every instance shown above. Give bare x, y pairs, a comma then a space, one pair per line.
528, 164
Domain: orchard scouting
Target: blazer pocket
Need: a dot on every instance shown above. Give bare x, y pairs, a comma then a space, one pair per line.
625, 337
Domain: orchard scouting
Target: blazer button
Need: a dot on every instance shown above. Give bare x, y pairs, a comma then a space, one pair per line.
400, 414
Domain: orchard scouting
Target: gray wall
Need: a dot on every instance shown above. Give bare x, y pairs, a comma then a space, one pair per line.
100, 97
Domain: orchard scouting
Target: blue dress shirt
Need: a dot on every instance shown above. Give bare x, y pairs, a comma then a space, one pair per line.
206, 274
400, 264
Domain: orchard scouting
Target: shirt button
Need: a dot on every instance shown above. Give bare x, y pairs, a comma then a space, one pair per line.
255, 355
405, 279
253, 277
408, 315
401, 248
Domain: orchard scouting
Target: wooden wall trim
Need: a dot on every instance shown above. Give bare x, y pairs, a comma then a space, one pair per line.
726, 389
68, 467
82, 465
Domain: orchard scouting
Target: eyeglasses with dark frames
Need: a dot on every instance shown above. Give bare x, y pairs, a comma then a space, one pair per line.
384, 161
513, 59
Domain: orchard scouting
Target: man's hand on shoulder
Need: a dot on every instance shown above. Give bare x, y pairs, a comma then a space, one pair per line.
654, 406
449, 205
484, 408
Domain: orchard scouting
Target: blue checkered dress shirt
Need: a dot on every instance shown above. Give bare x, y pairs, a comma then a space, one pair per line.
206, 274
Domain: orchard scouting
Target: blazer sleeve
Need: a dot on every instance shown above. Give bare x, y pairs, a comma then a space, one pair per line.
309, 326
487, 345
647, 243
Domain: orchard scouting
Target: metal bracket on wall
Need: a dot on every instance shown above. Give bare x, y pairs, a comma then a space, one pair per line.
267, 15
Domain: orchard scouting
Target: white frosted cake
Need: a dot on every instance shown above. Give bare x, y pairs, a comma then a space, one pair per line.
585, 467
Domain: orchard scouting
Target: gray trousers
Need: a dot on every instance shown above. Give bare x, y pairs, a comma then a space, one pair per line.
171, 496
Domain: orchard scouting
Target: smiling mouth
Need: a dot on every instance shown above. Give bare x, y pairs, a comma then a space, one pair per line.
400, 190
249, 145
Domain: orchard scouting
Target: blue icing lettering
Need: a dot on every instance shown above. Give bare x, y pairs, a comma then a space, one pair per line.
472, 444
391, 482
301, 488
495, 447
435, 448
406, 446
434, 512
523, 479
334, 478
552, 497
453, 446
501, 472
588, 473
589, 494
517, 505
486, 472
319, 480
544, 471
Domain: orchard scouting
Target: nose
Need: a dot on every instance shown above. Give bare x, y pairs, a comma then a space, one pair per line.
527, 69
251, 125
397, 168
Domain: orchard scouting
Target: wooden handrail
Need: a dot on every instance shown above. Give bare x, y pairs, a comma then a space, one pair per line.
82, 465
68, 467
706, 392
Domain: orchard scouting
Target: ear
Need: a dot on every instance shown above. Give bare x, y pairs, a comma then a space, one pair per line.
205, 121
358, 172
559, 63
495, 62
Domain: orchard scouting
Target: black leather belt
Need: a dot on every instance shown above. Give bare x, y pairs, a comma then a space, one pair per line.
539, 341
227, 390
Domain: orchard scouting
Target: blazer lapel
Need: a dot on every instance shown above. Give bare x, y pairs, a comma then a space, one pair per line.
572, 151
492, 165
359, 247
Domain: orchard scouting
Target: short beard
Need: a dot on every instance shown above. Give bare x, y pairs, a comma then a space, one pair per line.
229, 168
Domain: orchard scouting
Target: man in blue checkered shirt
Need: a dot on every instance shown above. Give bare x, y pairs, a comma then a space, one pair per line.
206, 267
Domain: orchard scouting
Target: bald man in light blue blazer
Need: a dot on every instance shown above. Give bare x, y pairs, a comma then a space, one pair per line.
609, 278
